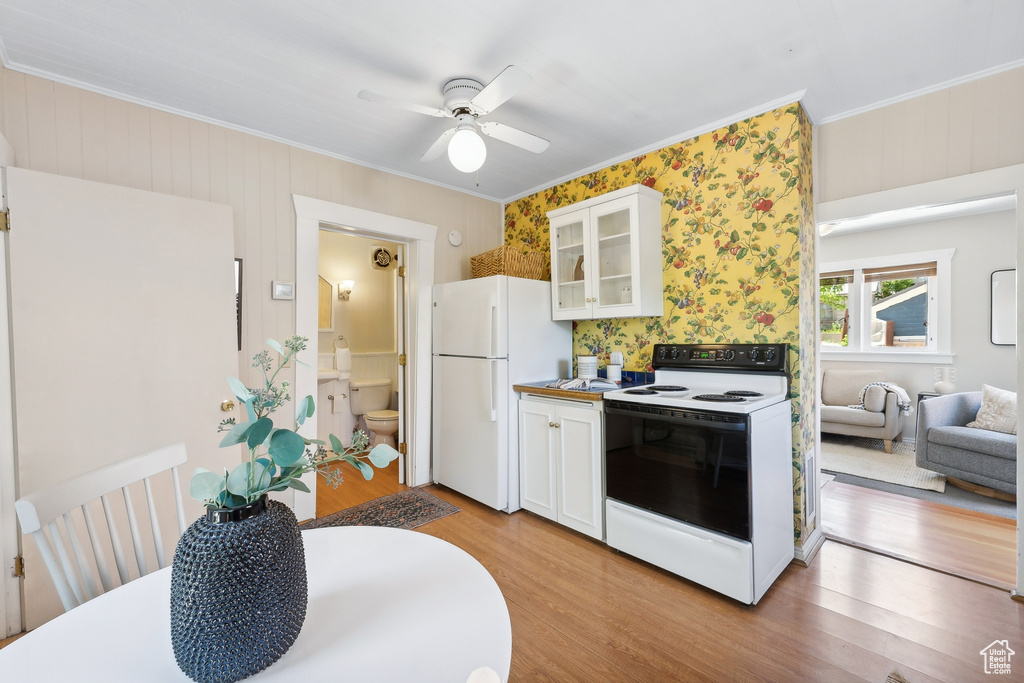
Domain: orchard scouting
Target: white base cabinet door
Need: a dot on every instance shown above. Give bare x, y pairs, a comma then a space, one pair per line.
538, 490
561, 460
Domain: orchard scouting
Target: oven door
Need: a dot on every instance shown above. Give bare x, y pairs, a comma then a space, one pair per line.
690, 465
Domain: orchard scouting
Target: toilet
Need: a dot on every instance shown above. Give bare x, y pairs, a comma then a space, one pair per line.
370, 399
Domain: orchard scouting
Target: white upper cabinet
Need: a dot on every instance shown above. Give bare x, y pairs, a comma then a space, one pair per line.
606, 256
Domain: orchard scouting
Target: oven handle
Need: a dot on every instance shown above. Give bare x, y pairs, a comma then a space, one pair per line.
695, 420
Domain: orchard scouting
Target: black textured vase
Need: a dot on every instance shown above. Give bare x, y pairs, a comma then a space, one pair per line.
238, 591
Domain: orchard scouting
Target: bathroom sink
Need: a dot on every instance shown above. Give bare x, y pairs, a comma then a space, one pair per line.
326, 374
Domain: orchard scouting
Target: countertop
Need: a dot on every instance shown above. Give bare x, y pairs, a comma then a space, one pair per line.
541, 389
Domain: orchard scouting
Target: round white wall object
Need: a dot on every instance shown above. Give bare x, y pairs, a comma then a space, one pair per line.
455, 238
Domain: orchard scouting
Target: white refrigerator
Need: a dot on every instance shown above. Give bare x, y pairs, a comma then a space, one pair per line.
488, 334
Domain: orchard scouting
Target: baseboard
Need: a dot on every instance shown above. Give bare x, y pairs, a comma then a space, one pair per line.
804, 554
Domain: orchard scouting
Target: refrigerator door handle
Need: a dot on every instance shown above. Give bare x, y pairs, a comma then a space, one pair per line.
492, 327
492, 389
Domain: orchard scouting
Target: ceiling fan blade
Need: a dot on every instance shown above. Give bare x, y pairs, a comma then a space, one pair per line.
401, 104
514, 136
505, 85
440, 146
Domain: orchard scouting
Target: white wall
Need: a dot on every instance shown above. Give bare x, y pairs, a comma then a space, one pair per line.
367, 318
983, 244
962, 130
965, 129
68, 131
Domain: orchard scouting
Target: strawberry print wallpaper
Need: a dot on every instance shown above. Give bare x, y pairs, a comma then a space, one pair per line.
737, 241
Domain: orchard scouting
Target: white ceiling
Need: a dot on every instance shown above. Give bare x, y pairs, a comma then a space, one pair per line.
610, 78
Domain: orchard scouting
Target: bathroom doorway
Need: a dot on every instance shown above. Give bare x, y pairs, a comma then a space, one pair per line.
360, 336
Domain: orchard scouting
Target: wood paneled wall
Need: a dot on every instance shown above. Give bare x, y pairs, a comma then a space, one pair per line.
65, 130
965, 129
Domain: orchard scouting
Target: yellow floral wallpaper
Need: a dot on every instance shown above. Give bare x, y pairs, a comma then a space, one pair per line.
737, 236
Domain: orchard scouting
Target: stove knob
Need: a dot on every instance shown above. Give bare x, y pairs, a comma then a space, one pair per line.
755, 354
729, 354
769, 354
675, 353
662, 352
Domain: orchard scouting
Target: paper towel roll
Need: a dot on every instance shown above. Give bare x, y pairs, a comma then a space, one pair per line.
343, 360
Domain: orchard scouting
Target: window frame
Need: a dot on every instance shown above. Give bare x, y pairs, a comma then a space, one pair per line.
940, 290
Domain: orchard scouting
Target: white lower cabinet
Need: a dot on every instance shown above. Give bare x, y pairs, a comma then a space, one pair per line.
561, 455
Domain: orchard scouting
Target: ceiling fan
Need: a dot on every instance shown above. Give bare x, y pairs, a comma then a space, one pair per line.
465, 100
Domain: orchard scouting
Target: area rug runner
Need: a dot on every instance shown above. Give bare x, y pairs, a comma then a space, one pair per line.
867, 458
403, 510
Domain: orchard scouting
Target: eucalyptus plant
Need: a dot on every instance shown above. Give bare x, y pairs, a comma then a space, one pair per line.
278, 457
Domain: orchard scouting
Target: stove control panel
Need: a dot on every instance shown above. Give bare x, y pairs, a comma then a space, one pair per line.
750, 357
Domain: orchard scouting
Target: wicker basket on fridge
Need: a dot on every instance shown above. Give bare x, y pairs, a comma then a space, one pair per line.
506, 260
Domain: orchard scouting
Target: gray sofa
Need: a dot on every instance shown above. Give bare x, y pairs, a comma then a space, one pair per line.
947, 445
881, 417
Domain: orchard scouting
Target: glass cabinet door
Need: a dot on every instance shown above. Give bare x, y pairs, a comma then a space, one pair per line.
615, 252
570, 292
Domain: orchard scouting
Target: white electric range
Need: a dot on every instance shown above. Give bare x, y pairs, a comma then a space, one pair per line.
698, 466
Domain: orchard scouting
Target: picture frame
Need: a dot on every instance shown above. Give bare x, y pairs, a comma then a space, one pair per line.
238, 300
283, 290
1003, 315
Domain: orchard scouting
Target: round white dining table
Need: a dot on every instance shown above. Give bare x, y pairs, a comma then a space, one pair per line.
384, 605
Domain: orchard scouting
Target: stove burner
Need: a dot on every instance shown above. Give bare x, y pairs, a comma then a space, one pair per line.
745, 393
643, 392
719, 398
667, 387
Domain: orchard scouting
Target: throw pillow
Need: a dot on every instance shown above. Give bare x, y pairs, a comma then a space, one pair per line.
998, 412
874, 399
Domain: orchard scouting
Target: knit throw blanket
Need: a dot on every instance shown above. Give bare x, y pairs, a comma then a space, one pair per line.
902, 398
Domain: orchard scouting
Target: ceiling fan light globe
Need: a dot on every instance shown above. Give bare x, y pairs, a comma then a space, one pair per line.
466, 150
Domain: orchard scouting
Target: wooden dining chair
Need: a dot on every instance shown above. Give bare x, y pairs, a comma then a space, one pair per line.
75, 573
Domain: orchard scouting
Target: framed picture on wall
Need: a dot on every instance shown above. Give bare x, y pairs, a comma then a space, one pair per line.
283, 290
238, 300
1004, 307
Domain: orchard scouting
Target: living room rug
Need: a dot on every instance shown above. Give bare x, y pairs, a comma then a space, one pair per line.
403, 510
867, 458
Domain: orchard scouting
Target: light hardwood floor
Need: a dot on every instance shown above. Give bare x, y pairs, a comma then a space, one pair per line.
356, 490
962, 542
583, 612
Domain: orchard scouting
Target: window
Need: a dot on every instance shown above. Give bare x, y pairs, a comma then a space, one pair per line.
894, 306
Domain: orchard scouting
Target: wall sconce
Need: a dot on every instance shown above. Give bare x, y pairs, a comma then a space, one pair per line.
345, 289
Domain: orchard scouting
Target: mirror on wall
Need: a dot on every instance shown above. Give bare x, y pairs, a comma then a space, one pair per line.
1004, 307
325, 314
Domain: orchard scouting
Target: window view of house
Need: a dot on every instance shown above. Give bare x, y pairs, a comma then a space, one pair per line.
881, 308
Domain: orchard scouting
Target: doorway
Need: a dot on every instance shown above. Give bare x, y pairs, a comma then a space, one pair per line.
863, 516
360, 336
418, 238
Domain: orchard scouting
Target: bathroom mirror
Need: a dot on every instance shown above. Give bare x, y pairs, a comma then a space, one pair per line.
1004, 307
325, 314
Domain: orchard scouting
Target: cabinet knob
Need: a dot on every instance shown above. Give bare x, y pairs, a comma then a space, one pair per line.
551, 424
557, 425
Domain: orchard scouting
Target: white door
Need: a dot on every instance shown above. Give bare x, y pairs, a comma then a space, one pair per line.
470, 318
123, 327
471, 427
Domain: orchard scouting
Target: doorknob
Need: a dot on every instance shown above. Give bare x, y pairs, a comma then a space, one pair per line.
227, 406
